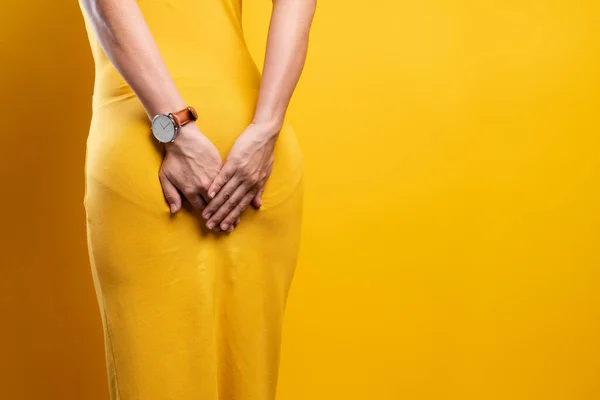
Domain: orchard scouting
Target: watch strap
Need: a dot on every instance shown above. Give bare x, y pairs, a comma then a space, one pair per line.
184, 116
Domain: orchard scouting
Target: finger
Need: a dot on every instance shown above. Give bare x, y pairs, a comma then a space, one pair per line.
226, 208
171, 194
256, 200
223, 195
229, 221
196, 200
225, 174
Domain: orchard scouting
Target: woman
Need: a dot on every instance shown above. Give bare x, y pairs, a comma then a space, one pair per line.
192, 283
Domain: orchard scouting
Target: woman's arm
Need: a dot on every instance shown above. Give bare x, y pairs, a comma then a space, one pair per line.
191, 161
249, 162
287, 44
127, 42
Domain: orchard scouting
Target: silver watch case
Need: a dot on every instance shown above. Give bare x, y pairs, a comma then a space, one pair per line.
164, 128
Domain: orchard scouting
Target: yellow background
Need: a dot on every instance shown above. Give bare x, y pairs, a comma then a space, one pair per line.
452, 226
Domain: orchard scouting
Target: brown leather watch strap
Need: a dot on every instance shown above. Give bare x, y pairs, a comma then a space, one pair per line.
184, 116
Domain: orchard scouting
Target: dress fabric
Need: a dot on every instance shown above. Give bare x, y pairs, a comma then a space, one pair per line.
187, 313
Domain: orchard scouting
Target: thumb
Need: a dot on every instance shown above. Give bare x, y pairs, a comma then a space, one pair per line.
171, 194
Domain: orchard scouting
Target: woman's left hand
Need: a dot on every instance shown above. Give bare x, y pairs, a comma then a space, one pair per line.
242, 178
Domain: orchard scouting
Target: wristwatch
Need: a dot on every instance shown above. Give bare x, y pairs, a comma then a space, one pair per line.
165, 126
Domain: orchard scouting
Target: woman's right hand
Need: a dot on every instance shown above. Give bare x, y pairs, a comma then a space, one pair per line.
191, 163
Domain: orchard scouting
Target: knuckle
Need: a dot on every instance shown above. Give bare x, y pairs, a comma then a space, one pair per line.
225, 175
204, 185
255, 178
190, 194
188, 188
220, 215
244, 173
246, 202
218, 219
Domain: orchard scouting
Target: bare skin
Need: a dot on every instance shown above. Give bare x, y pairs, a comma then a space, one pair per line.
250, 161
192, 164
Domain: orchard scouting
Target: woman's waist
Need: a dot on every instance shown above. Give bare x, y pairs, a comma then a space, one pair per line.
226, 91
223, 111
233, 71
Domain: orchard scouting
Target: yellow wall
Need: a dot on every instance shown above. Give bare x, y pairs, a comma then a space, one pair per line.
452, 231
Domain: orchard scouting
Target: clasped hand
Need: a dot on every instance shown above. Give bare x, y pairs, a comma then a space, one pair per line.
222, 191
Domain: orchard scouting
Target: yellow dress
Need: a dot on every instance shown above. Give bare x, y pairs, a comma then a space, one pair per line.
188, 314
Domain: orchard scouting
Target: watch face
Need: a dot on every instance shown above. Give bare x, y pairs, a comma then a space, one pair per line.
163, 128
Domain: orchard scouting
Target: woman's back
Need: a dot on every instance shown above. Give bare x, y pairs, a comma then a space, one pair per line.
201, 42
203, 47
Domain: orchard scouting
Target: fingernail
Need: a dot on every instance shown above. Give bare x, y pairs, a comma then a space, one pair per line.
173, 208
207, 216
211, 225
225, 227
231, 228
212, 194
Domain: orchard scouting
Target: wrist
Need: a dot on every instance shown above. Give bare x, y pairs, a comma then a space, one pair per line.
268, 128
184, 134
174, 126
166, 103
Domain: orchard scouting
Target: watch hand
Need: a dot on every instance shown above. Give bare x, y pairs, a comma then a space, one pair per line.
163, 126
